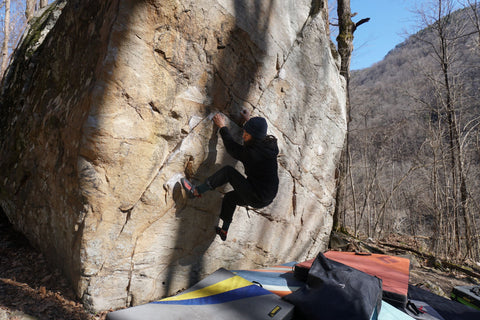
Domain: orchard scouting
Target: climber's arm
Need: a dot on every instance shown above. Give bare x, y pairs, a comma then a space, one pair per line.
235, 149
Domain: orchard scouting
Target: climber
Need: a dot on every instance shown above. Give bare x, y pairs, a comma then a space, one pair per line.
259, 157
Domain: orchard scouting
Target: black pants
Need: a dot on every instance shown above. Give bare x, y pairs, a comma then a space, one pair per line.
243, 193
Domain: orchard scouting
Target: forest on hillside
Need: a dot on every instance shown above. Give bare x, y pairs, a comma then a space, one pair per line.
415, 137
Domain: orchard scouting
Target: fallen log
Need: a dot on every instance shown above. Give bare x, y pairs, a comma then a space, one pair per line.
467, 270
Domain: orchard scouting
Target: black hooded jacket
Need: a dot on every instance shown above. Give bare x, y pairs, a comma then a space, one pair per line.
259, 158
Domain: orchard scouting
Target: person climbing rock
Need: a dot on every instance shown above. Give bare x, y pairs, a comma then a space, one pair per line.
258, 155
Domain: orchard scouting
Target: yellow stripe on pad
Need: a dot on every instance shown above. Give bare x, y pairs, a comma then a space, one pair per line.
234, 282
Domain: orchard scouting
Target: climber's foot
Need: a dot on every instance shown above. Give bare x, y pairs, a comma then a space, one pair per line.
222, 233
190, 188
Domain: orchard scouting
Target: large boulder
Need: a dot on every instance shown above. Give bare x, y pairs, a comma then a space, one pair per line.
107, 104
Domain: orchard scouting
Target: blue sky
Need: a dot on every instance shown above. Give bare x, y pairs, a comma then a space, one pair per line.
389, 22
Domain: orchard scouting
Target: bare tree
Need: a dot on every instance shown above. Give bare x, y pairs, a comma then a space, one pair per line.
6, 37
30, 9
345, 48
474, 5
415, 138
443, 41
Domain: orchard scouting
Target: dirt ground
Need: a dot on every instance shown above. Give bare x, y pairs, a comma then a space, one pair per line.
31, 290
439, 280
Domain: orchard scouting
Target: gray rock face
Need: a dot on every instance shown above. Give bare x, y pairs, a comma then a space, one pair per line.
102, 115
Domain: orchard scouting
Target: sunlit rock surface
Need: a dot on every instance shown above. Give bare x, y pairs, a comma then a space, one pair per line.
102, 115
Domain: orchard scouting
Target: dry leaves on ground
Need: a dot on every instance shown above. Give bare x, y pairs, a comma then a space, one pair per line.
29, 289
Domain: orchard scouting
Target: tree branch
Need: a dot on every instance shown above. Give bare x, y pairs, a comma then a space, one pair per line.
359, 23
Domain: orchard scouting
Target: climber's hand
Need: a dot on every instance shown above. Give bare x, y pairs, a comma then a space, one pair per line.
219, 120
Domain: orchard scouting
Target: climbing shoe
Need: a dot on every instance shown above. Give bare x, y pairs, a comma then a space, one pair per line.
222, 233
189, 188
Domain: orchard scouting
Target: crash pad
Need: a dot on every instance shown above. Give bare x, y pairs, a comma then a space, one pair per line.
394, 272
389, 312
222, 295
422, 310
278, 279
335, 291
468, 295
448, 309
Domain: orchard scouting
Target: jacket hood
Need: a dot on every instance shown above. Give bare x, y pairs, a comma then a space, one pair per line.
267, 148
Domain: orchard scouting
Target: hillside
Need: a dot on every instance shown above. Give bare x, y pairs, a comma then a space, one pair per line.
401, 140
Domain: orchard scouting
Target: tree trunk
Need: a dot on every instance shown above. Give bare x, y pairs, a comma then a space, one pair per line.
345, 37
459, 188
345, 48
6, 38
43, 3
30, 9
